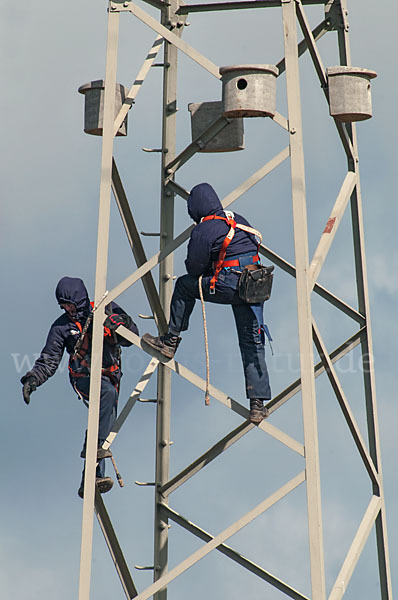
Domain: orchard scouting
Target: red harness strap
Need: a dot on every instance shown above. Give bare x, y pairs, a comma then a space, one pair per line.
223, 251
84, 349
220, 263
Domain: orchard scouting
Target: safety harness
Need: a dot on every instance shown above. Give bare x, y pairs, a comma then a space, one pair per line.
82, 347
220, 263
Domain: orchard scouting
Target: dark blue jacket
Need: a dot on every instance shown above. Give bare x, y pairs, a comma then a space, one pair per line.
207, 237
64, 334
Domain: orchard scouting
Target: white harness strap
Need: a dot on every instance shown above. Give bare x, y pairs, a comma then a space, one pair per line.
231, 215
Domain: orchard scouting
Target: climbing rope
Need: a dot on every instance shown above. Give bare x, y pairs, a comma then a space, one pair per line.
207, 393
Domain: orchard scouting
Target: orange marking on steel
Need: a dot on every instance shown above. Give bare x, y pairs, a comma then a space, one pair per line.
329, 225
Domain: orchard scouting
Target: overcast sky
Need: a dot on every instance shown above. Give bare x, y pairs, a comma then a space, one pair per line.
50, 186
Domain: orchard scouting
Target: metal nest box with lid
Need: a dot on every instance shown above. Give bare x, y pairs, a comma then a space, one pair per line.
203, 115
94, 94
249, 90
349, 93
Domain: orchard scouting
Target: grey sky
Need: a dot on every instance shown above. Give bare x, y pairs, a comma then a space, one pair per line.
50, 185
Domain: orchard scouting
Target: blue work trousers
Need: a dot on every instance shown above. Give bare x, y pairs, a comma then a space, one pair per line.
108, 409
186, 292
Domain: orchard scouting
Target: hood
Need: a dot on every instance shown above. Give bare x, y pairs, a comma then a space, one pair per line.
72, 289
203, 201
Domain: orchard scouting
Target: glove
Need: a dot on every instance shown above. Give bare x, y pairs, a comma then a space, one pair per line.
114, 320
29, 383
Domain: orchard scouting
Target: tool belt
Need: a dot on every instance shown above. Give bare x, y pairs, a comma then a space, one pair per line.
255, 283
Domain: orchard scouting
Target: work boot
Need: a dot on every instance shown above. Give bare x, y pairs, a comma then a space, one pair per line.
258, 412
101, 453
165, 344
104, 484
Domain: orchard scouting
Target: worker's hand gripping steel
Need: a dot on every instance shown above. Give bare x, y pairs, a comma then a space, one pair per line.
114, 320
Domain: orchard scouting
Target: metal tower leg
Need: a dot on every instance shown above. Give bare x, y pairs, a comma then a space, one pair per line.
304, 302
367, 342
165, 293
99, 315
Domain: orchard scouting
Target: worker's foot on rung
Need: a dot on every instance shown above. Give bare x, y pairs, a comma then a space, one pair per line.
104, 484
101, 453
256, 416
258, 412
165, 344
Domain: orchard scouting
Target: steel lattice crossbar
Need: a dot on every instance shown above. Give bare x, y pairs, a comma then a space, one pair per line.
169, 30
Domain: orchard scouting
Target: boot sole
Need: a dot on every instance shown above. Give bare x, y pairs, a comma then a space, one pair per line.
103, 485
100, 454
162, 351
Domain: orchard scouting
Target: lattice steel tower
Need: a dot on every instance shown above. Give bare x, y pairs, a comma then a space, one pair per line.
347, 94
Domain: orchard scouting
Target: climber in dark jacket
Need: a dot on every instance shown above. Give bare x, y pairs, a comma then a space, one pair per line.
66, 334
203, 252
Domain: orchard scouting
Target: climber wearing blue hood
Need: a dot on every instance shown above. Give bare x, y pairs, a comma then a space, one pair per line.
206, 241
69, 333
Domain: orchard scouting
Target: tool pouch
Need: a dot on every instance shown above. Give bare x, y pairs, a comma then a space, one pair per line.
255, 283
